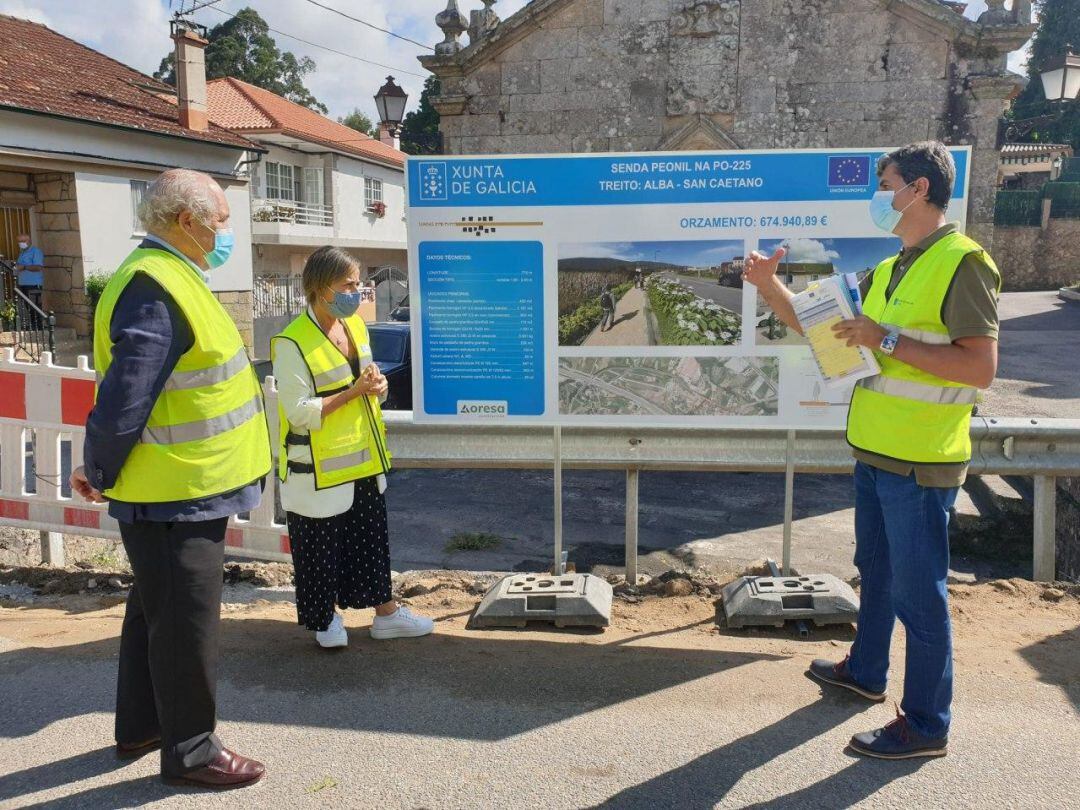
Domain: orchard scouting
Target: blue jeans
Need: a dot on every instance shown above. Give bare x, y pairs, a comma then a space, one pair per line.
902, 553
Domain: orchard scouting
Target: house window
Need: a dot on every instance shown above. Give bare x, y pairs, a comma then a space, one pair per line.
138, 189
313, 185
279, 182
372, 191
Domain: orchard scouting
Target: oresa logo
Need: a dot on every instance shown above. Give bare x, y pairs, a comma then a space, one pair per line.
481, 408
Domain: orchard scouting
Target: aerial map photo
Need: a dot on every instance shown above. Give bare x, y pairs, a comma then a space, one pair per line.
669, 386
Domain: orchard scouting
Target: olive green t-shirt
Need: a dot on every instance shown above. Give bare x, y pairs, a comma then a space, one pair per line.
969, 310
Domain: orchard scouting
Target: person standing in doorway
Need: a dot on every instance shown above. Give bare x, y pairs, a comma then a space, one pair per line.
30, 266
930, 315
177, 442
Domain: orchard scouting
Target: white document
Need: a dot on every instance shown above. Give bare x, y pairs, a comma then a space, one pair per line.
819, 307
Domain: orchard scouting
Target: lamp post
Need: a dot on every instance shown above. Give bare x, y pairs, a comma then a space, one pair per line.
1061, 85
390, 102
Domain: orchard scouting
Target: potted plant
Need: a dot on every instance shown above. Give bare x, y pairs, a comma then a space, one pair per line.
378, 208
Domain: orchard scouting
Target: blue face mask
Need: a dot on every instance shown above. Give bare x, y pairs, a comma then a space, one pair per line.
344, 305
882, 212
223, 245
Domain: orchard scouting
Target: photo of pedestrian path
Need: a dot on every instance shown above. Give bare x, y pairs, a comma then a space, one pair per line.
808, 260
649, 293
669, 386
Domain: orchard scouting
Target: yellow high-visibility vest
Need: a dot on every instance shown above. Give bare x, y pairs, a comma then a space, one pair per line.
351, 443
207, 432
904, 413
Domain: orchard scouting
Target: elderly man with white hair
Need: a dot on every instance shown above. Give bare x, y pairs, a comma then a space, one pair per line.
177, 442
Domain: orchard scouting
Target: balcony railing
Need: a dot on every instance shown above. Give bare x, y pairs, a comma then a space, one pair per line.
292, 212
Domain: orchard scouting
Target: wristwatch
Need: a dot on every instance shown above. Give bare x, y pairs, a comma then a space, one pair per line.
888, 343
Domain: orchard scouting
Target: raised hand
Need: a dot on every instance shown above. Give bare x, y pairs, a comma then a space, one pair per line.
760, 269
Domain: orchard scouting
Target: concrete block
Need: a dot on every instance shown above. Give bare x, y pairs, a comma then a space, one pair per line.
569, 600
771, 601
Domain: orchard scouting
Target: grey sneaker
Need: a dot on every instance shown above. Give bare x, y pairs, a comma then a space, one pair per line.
897, 740
838, 675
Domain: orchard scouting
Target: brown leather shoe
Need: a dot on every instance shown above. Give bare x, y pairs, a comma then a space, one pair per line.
226, 770
136, 750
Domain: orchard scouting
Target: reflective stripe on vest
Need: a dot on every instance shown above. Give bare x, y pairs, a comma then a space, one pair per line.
934, 394
339, 375
206, 434
906, 413
203, 429
184, 380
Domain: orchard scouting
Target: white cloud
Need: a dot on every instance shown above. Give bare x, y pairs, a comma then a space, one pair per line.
810, 251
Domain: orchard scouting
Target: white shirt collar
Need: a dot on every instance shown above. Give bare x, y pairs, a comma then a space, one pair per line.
202, 273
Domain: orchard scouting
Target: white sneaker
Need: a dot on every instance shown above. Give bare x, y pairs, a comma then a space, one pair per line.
402, 624
334, 635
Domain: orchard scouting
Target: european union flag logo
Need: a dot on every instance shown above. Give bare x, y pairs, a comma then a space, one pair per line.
847, 172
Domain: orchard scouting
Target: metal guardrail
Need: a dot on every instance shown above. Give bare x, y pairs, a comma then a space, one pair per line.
55, 400
1041, 448
32, 329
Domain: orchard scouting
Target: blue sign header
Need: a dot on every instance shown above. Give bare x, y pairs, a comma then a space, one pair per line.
650, 178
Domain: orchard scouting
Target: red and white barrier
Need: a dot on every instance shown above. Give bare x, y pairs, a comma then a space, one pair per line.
53, 402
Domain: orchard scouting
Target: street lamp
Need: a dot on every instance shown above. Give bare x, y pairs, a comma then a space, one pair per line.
1061, 85
1061, 78
390, 102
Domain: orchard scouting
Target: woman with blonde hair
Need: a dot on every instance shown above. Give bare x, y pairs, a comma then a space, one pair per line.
333, 458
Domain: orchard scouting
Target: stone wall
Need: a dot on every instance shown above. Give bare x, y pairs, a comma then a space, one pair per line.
637, 75
59, 239
240, 306
1034, 258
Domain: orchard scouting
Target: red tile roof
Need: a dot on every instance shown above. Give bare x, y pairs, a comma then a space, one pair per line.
245, 108
45, 72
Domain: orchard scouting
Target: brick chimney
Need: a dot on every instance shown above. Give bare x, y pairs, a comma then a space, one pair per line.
191, 78
389, 136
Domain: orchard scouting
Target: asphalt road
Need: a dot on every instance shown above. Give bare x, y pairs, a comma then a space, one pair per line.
683, 718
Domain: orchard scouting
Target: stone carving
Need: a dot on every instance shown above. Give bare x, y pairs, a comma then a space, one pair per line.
708, 95
452, 23
996, 14
706, 18
482, 22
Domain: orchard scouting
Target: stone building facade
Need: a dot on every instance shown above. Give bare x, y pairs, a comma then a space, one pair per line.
637, 75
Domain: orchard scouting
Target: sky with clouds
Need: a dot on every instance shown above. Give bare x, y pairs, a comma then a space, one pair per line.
137, 32
846, 255
685, 253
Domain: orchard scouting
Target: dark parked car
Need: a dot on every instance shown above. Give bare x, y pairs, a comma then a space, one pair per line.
391, 350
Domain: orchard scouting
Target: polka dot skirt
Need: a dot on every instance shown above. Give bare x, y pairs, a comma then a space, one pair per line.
342, 560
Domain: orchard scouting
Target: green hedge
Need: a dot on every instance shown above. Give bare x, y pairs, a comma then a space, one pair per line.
1065, 198
685, 319
580, 323
1018, 208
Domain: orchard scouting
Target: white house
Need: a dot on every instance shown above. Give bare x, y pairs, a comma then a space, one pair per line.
82, 136
319, 183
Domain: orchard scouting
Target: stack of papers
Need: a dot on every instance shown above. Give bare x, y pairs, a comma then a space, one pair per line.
819, 307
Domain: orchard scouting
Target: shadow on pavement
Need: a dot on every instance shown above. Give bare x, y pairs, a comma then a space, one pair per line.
705, 781
1050, 658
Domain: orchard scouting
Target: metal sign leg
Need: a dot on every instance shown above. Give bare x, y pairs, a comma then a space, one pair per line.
557, 461
789, 497
632, 475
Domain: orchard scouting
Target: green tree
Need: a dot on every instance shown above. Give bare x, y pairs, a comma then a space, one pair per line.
359, 121
1058, 31
420, 129
241, 47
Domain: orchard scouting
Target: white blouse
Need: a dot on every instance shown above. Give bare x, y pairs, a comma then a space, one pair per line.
303, 410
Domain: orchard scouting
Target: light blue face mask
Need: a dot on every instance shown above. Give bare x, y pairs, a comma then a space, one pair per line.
344, 305
882, 212
223, 245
